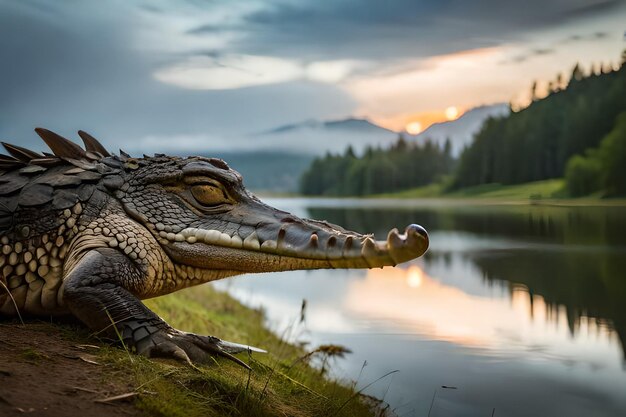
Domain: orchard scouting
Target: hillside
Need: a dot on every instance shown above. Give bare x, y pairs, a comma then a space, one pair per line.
537, 142
316, 137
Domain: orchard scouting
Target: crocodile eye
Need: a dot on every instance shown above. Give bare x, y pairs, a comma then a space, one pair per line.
208, 195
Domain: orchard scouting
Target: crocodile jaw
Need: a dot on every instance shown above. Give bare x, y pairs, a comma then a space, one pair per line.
213, 250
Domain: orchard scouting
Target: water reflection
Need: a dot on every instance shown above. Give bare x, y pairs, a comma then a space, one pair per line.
572, 257
522, 323
522, 308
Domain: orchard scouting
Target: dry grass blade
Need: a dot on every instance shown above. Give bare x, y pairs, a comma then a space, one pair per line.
353, 396
88, 359
117, 398
119, 335
13, 300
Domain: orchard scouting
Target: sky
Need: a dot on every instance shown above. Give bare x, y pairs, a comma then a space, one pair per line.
199, 75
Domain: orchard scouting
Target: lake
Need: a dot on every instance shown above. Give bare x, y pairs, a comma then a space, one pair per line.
515, 310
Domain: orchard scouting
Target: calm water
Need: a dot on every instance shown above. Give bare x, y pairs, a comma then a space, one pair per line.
521, 308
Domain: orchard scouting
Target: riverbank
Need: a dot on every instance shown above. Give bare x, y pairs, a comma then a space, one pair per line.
547, 192
96, 376
548, 189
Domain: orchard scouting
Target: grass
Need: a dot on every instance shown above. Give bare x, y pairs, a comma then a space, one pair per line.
547, 189
427, 191
532, 190
33, 355
539, 190
281, 382
551, 192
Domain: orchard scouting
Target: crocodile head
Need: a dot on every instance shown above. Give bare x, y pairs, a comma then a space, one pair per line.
91, 233
203, 216
197, 209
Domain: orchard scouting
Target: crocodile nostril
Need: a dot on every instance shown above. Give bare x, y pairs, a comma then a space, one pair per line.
288, 220
419, 229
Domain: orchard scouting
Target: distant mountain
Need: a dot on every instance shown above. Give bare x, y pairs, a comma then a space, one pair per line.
350, 124
462, 130
318, 137
278, 157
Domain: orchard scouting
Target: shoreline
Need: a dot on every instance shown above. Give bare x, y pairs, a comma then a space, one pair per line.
56, 369
453, 201
541, 193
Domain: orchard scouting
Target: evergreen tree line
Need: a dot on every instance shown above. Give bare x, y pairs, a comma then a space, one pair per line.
578, 131
573, 131
601, 169
404, 165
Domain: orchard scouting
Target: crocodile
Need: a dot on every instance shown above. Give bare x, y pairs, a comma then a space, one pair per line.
89, 233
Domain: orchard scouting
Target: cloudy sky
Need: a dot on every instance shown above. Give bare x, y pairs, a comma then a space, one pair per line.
200, 75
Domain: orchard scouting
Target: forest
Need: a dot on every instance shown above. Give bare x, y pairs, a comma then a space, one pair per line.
572, 132
576, 131
404, 165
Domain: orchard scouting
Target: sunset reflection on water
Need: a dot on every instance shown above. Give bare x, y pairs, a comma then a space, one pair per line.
522, 308
410, 300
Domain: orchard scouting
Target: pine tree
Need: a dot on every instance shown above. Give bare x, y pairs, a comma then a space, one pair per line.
577, 73
559, 81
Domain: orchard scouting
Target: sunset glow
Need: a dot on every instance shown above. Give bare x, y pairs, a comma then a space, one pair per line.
452, 113
440, 311
422, 120
414, 128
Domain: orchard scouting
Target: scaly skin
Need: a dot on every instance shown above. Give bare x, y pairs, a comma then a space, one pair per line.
90, 234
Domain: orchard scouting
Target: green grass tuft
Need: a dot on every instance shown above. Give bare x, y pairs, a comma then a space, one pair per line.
281, 382
33, 355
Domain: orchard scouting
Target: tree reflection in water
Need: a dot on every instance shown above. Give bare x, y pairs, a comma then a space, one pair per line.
574, 258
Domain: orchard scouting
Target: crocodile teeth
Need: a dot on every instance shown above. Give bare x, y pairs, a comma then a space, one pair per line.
396, 249
201, 234
212, 236
369, 248
236, 241
269, 245
193, 235
252, 242
224, 239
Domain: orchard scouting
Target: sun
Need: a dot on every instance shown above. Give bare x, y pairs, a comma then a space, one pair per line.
452, 113
414, 128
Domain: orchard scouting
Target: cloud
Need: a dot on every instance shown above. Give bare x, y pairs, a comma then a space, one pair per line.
526, 55
374, 30
91, 67
595, 36
224, 72
206, 71
228, 72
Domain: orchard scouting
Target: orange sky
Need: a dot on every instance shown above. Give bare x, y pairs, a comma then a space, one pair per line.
415, 123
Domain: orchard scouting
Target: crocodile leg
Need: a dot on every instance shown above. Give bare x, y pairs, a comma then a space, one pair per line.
94, 293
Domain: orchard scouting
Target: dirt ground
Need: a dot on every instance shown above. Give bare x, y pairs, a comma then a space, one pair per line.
43, 372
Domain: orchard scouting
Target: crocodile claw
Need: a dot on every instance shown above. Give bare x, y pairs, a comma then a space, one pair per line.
190, 347
232, 347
